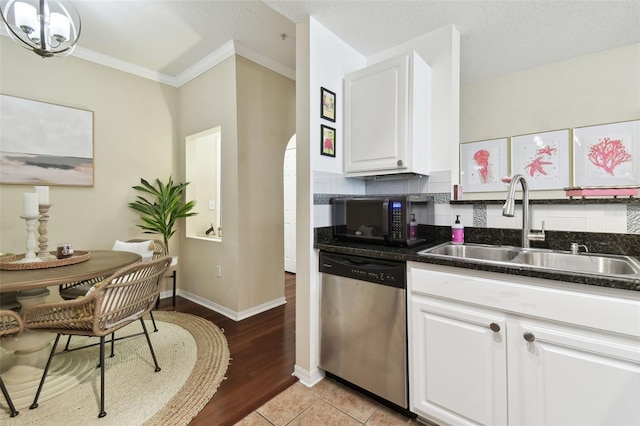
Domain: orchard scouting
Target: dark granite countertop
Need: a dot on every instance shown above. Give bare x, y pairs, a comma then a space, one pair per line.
324, 241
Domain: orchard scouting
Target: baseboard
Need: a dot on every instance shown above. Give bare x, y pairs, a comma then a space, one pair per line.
222, 310
308, 378
261, 308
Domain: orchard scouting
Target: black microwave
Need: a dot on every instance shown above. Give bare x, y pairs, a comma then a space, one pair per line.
400, 221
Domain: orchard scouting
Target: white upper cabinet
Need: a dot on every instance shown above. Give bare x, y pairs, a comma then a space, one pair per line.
387, 118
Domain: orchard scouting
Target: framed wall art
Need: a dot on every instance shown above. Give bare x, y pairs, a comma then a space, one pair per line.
483, 164
327, 104
327, 141
542, 158
607, 155
45, 144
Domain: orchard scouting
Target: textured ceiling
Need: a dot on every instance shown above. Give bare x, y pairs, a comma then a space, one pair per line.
497, 37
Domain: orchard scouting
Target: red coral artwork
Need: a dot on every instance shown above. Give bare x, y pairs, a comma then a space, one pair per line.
481, 157
608, 154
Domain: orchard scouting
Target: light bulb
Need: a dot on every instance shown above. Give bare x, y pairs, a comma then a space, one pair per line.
59, 27
25, 17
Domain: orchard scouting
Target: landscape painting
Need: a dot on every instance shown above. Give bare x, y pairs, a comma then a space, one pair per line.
45, 144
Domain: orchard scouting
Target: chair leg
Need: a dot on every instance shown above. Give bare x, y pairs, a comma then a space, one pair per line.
155, 329
66, 347
102, 412
113, 339
44, 374
153, 354
5, 392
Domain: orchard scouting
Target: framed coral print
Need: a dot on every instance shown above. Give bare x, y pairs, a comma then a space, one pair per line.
607, 155
327, 141
327, 104
45, 144
483, 164
542, 158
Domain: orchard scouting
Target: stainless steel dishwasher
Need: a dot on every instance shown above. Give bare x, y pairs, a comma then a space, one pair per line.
363, 338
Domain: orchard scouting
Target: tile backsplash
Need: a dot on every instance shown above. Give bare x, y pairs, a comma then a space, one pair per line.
578, 217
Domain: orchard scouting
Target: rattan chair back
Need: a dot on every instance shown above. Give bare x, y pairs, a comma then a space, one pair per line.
10, 323
121, 298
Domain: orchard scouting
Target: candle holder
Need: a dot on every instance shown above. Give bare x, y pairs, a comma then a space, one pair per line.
42, 230
30, 256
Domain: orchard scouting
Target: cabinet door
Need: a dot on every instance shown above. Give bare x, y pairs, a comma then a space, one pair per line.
572, 378
457, 363
376, 117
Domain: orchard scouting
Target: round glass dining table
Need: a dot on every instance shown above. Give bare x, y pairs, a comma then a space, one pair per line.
22, 369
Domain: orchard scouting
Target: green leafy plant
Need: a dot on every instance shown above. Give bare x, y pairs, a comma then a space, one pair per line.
160, 212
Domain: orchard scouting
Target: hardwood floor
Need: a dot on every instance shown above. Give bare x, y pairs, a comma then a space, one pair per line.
262, 358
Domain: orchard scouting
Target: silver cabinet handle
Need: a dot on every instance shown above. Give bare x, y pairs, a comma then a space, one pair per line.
494, 327
529, 336
400, 163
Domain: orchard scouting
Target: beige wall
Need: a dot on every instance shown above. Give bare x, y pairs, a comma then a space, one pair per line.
205, 102
140, 128
134, 131
599, 88
594, 89
256, 109
266, 122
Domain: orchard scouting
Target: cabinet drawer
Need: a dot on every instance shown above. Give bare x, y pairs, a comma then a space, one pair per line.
521, 296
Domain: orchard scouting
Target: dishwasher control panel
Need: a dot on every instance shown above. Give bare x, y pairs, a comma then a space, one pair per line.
365, 269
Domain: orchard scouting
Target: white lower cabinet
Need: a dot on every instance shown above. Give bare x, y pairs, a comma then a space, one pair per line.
492, 349
460, 373
571, 377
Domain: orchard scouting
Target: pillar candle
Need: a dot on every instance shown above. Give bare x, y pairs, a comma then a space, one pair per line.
31, 204
43, 194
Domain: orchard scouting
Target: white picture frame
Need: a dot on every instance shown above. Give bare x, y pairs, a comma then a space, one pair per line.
542, 158
607, 155
483, 164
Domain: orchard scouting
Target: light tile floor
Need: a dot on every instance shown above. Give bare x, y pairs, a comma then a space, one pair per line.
326, 403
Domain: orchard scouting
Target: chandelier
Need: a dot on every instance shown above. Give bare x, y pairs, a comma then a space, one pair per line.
48, 27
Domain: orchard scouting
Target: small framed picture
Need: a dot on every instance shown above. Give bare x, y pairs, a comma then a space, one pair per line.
327, 141
327, 104
542, 158
607, 154
483, 164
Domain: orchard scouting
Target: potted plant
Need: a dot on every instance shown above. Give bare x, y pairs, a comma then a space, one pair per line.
160, 212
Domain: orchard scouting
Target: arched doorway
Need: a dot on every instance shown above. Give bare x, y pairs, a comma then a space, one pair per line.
290, 206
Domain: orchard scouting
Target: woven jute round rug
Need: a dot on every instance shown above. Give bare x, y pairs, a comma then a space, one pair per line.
192, 352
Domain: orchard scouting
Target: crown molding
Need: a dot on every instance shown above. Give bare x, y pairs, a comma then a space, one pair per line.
227, 50
128, 67
259, 59
205, 64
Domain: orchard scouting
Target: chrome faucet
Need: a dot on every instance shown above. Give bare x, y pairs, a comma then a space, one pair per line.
509, 208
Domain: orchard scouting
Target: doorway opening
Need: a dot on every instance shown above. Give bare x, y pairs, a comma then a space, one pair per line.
289, 172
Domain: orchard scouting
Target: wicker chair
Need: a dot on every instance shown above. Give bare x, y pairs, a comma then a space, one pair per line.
122, 298
76, 289
73, 290
10, 323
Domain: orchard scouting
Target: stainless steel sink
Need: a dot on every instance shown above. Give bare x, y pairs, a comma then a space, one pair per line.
474, 251
585, 262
